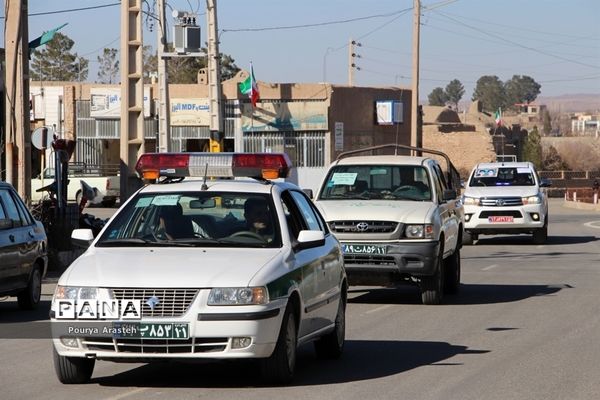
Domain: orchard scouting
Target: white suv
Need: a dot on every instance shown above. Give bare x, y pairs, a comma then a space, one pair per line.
505, 198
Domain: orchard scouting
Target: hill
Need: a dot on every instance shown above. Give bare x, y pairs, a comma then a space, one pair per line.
571, 102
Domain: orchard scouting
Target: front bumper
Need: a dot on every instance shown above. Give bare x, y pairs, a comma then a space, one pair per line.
211, 335
414, 258
519, 219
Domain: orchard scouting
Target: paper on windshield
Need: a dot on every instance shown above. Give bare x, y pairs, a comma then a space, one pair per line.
344, 178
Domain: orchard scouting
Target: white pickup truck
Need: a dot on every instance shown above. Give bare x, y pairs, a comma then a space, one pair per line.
398, 218
104, 179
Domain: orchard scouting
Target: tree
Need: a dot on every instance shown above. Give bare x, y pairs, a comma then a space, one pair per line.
437, 97
490, 91
521, 89
150, 63
108, 69
553, 161
547, 122
185, 69
55, 62
532, 150
454, 92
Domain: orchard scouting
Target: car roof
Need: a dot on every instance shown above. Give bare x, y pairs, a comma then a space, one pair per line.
383, 159
224, 185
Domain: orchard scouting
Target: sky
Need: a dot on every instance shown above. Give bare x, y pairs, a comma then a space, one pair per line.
556, 42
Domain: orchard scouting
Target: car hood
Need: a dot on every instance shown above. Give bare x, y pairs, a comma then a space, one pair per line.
502, 191
167, 267
376, 210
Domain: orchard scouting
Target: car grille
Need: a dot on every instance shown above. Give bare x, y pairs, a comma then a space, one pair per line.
501, 201
359, 227
171, 302
368, 259
500, 213
156, 346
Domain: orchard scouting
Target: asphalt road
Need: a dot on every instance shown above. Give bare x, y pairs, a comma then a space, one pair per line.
525, 325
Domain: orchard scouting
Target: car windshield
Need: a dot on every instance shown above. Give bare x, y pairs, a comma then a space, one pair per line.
188, 219
502, 176
377, 182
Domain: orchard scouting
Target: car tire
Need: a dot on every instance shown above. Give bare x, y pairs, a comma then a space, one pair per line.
280, 366
73, 370
467, 238
331, 345
108, 203
541, 235
29, 298
432, 287
452, 273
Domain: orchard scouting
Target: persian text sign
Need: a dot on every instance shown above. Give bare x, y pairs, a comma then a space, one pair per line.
284, 116
190, 112
106, 102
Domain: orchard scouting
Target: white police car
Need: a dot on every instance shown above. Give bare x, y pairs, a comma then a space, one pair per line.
204, 268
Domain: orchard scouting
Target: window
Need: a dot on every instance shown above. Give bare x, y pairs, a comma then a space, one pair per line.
312, 220
10, 208
25, 215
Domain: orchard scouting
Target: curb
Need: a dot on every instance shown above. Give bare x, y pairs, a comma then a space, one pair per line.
581, 206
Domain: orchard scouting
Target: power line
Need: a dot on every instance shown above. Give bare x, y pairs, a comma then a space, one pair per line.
102, 47
71, 10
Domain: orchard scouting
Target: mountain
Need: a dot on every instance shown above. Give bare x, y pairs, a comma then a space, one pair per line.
571, 102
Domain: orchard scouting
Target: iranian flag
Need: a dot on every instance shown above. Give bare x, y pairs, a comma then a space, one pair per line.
498, 117
250, 87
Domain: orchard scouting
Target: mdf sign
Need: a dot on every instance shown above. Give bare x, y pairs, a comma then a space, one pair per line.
106, 102
190, 112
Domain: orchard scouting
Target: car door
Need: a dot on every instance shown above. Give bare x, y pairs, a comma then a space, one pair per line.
448, 212
30, 238
327, 277
10, 243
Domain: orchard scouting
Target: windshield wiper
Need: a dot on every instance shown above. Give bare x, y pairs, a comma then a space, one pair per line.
142, 242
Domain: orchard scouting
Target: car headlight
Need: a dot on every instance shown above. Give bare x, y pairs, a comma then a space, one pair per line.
422, 231
238, 296
537, 199
83, 293
471, 201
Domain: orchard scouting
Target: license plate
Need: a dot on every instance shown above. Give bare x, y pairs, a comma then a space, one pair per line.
500, 218
363, 249
142, 330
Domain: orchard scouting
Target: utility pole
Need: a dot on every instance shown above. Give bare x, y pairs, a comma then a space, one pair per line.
164, 123
416, 138
132, 96
17, 135
214, 79
352, 56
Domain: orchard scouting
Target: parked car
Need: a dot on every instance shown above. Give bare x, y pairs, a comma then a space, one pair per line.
505, 198
222, 269
23, 250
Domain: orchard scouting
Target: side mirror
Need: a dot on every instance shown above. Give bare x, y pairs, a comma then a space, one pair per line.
309, 239
82, 238
545, 183
308, 192
6, 223
449, 194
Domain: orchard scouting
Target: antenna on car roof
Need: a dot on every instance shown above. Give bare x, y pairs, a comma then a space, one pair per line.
204, 185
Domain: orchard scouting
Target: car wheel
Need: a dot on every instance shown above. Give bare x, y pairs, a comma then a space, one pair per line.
332, 345
432, 287
280, 366
541, 235
452, 273
467, 238
109, 203
71, 370
29, 298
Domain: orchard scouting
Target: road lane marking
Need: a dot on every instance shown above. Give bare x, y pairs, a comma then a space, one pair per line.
489, 267
593, 224
126, 394
378, 309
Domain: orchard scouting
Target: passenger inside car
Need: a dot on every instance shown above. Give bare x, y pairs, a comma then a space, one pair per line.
258, 218
173, 224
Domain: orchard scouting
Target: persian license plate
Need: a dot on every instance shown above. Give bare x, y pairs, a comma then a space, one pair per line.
142, 330
500, 218
363, 249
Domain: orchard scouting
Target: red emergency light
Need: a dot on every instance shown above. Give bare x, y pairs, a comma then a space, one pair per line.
252, 165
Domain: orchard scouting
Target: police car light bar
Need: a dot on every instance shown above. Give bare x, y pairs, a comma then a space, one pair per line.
220, 165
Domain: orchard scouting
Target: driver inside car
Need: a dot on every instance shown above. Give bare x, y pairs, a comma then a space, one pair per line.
258, 217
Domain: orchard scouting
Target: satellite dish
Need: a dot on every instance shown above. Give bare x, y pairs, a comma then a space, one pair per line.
42, 137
